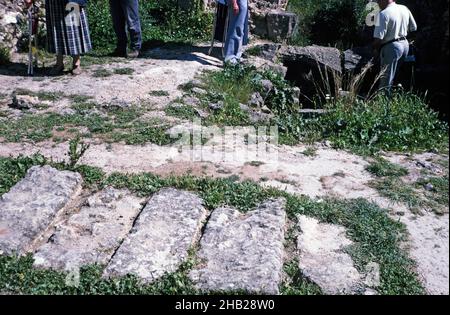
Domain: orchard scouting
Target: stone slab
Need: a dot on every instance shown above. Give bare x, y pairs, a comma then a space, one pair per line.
322, 257
92, 235
243, 251
160, 241
30, 207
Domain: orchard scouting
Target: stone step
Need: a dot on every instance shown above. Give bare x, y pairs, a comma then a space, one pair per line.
322, 258
92, 235
243, 251
32, 205
164, 232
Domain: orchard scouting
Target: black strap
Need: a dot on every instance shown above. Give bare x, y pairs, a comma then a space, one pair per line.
393, 41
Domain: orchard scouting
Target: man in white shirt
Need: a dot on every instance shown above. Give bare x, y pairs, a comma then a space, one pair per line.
392, 27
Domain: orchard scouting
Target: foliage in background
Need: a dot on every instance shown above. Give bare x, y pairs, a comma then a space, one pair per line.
329, 22
160, 20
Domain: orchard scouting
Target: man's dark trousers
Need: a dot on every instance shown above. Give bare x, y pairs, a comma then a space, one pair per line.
125, 14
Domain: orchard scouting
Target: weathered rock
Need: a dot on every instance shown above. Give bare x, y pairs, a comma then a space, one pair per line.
29, 208
313, 56
268, 19
199, 91
314, 69
322, 258
216, 106
164, 232
357, 58
267, 65
242, 251
281, 25
267, 86
256, 100
256, 115
92, 235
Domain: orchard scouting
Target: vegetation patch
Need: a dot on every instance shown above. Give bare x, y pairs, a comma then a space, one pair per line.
41, 95
403, 122
113, 125
382, 168
4, 56
124, 71
102, 73
159, 93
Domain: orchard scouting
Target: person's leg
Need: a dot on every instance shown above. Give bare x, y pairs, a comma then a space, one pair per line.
235, 35
119, 22
76, 65
390, 56
59, 61
131, 8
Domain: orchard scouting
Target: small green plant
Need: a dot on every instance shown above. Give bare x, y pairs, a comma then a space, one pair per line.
124, 71
159, 93
310, 151
76, 151
4, 56
382, 168
102, 73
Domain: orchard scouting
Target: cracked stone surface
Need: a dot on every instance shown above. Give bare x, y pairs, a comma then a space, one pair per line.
30, 207
93, 234
322, 258
159, 243
243, 251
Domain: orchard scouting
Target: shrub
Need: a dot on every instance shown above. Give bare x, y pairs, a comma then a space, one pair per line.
401, 123
329, 22
160, 20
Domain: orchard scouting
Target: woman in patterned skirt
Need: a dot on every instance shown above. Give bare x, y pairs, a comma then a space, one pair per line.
67, 32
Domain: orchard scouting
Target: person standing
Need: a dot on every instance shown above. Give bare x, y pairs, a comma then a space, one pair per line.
390, 42
67, 32
125, 15
237, 34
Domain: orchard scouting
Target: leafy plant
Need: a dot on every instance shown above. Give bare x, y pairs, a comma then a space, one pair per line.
382, 168
76, 151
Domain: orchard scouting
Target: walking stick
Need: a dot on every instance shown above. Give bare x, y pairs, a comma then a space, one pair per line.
32, 31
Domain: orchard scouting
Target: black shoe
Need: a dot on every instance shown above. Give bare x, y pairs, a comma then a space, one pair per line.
119, 53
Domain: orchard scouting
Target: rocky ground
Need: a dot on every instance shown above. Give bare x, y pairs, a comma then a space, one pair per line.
49, 214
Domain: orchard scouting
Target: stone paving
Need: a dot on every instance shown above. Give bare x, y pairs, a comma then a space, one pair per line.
154, 236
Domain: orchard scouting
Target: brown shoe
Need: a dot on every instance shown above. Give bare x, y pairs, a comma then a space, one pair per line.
133, 54
77, 71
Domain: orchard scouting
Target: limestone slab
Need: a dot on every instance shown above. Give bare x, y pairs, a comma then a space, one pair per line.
30, 207
92, 235
159, 243
243, 252
322, 257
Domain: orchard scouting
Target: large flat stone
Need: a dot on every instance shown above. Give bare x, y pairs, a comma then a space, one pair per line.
30, 207
164, 232
322, 258
243, 251
92, 235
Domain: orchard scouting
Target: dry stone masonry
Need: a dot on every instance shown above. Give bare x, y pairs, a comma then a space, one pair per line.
160, 241
31, 206
92, 235
242, 251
